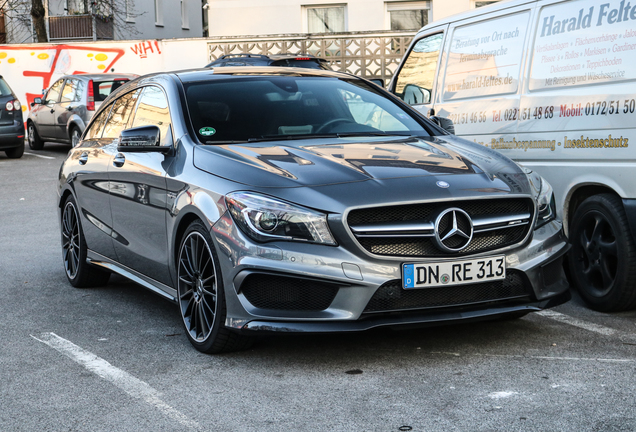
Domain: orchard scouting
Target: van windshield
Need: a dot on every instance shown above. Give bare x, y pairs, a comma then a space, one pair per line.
415, 80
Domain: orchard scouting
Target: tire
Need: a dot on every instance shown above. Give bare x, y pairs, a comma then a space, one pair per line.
75, 135
78, 272
602, 261
200, 294
15, 153
35, 142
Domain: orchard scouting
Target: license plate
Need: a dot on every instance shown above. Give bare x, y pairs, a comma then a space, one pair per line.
458, 272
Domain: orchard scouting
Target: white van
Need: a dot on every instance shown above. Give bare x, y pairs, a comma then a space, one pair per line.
552, 85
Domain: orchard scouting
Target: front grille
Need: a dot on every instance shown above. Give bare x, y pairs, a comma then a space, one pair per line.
392, 297
425, 246
285, 293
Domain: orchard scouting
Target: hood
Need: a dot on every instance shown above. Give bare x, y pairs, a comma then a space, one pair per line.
321, 162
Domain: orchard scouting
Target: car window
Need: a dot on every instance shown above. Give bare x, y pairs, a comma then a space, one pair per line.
72, 91
153, 110
120, 114
53, 95
101, 89
280, 106
95, 129
4, 88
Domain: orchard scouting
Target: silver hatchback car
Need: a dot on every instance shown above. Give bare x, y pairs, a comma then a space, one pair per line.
262, 199
64, 110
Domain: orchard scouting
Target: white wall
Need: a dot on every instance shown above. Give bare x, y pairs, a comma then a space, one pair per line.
260, 17
28, 68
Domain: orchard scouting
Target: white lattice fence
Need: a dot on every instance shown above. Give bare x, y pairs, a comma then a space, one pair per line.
370, 55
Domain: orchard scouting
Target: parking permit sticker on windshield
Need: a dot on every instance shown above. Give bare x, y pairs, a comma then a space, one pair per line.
207, 131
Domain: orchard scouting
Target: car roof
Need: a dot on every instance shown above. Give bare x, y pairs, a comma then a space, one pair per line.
101, 76
194, 75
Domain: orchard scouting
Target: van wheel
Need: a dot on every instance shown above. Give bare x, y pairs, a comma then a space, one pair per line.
35, 142
603, 257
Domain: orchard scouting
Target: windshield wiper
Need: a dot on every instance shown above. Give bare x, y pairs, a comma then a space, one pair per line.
363, 134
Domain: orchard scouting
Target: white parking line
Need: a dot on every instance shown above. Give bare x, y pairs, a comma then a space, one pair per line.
37, 155
122, 379
583, 324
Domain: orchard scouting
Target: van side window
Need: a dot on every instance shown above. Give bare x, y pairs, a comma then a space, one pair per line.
485, 57
415, 80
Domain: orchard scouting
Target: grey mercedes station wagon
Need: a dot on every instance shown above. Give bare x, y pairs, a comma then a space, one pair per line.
295, 200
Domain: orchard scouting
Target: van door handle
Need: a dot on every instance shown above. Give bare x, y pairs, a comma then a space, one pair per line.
119, 160
83, 158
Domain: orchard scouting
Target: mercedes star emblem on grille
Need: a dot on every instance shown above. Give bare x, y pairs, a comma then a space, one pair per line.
453, 230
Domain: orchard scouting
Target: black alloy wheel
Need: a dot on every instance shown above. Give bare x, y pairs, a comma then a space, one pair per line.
200, 294
603, 257
79, 273
35, 142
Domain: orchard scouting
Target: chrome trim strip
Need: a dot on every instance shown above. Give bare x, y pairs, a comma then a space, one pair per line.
148, 283
427, 229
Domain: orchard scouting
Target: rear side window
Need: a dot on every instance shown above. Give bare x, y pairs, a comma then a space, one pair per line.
72, 91
485, 57
584, 43
101, 89
416, 78
120, 114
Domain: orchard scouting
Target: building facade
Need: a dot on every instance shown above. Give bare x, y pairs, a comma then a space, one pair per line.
99, 20
265, 17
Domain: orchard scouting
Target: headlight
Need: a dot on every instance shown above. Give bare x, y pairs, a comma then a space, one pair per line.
544, 195
267, 219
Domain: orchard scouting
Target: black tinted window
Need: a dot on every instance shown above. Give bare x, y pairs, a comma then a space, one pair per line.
101, 89
4, 88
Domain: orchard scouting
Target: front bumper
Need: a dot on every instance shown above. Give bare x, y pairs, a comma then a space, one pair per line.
355, 277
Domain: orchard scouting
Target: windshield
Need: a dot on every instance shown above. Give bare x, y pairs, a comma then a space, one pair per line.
292, 107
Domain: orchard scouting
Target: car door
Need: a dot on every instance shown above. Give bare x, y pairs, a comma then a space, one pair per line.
45, 122
90, 182
138, 188
70, 99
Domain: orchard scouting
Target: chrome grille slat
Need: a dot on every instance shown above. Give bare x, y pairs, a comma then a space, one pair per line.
409, 230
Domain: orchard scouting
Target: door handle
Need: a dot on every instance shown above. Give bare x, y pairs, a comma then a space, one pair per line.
69, 108
83, 158
52, 110
119, 160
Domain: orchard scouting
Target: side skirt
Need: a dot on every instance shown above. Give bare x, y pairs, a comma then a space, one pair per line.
157, 287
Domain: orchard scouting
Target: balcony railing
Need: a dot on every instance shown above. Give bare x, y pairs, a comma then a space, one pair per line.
80, 27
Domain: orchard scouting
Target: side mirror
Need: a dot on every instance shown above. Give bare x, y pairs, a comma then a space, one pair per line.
414, 94
142, 139
444, 123
378, 81
36, 101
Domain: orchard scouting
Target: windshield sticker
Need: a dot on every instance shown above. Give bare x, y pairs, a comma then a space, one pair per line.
207, 131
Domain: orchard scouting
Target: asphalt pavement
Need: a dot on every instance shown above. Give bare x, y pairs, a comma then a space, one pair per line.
117, 359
